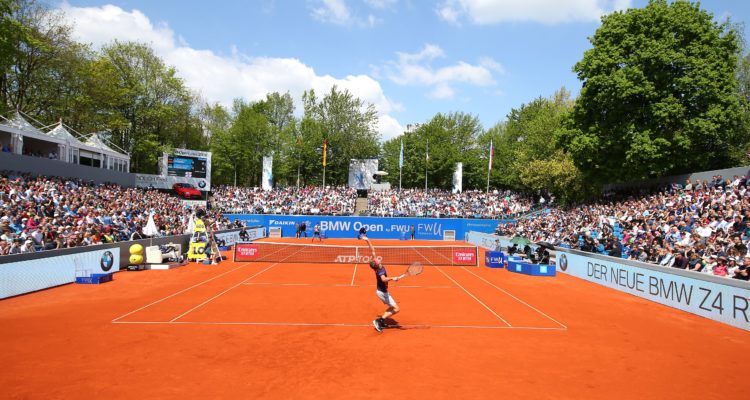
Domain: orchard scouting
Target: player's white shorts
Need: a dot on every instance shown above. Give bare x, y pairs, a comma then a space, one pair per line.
386, 298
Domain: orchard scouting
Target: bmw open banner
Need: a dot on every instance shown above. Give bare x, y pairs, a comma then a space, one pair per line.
361, 173
377, 227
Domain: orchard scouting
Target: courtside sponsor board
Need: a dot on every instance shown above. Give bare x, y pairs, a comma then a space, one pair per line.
32, 275
246, 251
465, 256
377, 227
233, 236
700, 295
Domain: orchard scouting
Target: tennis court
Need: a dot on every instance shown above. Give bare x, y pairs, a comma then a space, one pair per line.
273, 329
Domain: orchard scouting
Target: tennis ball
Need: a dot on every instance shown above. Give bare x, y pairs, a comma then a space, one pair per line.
136, 249
136, 259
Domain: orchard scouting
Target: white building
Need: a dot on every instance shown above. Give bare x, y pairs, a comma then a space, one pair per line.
20, 137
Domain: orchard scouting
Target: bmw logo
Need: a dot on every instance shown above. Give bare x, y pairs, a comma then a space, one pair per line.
107, 261
202, 184
563, 262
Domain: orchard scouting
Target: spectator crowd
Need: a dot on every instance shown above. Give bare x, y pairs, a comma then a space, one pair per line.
446, 204
43, 213
699, 226
307, 200
702, 226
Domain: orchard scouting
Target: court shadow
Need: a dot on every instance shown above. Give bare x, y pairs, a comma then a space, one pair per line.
393, 324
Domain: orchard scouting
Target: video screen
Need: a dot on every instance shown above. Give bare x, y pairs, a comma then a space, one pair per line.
188, 167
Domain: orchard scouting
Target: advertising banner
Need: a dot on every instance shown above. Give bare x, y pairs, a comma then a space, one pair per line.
28, 276
197, 251
727, 302
458, 175
362, 172
267, 173
231, 237
377, 227
246, 252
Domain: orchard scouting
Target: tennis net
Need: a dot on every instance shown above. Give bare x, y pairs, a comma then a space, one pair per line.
322, 253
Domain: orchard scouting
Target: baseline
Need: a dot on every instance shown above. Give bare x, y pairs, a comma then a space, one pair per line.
345, 285
303, 324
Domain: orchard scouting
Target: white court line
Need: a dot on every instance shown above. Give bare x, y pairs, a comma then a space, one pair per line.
284, 324
422, 255
175, 294
212, 298
516, 298
343, 285
474, 297
354, 274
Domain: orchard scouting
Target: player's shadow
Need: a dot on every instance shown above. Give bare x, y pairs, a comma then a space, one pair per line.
391, 323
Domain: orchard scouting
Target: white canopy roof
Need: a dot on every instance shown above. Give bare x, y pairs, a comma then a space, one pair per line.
20, 123
60, 132
95, 141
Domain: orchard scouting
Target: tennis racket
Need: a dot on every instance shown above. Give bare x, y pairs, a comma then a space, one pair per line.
413, 269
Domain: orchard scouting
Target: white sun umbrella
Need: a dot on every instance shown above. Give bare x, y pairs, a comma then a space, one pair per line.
191, 224
151, 230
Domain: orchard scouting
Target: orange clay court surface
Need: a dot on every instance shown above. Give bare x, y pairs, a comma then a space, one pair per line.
303, 331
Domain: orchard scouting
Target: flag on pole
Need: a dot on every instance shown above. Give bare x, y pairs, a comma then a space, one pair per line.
492, 154
427, 151
325, 151
401, 155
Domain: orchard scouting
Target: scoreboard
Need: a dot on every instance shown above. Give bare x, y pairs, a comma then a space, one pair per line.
187, 166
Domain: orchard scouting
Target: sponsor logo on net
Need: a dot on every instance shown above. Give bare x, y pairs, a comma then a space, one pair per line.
247, 251
356, 259
464, 256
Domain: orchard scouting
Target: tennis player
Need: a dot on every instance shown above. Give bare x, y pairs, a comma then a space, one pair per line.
316, 232
381, 281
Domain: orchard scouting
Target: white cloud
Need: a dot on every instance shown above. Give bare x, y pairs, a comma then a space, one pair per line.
333, 11
415, 69
484, 12
337, 12
221, 78
380, 4
442, 91
449, 13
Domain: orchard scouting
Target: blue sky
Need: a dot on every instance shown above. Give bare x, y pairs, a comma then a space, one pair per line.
411, 59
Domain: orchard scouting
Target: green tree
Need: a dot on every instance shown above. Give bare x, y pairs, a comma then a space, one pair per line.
452, 138
347, 123
155, 106
279, 111
659, 95
36, 57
